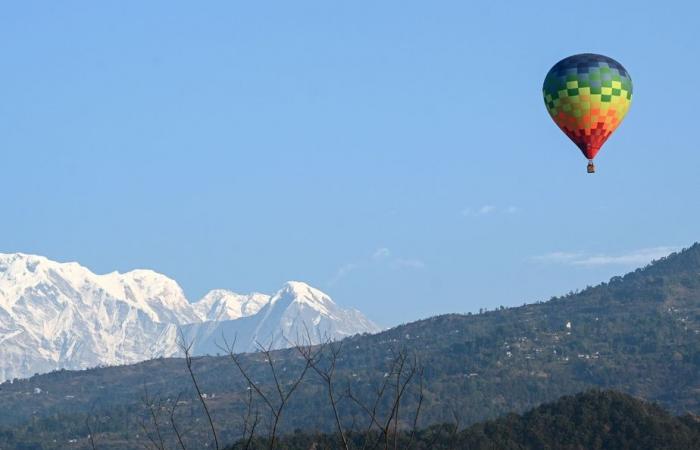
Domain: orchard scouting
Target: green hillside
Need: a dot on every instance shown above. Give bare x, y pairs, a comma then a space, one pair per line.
639, 334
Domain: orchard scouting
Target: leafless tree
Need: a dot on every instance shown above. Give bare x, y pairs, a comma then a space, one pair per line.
275, 405
91, 435
186, 348
173, 424
457, 416
323, 359
250, 420
154, 406
372, 411
402, 371
383, 411
414, 429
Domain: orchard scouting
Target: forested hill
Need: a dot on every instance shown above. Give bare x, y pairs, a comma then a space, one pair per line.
639, 334
592, 420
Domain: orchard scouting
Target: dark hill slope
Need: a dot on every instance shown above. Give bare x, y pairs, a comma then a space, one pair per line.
592, 420
639, 334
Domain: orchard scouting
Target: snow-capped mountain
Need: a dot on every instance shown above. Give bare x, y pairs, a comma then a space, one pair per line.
61, 315
294, 314
221, 304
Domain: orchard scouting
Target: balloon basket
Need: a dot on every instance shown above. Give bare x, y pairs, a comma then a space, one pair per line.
590, 168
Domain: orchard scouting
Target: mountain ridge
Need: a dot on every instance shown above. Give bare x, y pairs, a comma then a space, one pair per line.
638, 333
62, 315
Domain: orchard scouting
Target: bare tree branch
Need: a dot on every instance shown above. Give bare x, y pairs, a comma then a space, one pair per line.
372, 413
277, 407
418, 408
172, 421
399, 376
186, 349
90, 433
154, 412
230, 350
458, 419
148, 435
248, 425
313, 359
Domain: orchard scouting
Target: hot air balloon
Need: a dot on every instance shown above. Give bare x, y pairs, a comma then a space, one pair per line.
587, 96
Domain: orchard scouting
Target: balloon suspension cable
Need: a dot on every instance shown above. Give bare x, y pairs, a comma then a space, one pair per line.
591, 167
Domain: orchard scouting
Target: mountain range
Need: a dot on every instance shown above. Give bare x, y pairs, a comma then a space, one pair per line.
63, 316
638, 334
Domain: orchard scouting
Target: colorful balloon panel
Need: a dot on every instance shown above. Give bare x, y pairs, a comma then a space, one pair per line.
587, 96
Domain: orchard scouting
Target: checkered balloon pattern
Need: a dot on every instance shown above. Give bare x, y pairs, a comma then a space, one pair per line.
587, 96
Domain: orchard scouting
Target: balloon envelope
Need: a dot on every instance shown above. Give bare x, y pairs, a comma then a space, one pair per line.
587, 96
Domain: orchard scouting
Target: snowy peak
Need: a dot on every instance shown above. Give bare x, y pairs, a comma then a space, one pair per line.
62, 315
161, 297
299, 293
20, 272
297, 312
32, 280
300, 288
221, 304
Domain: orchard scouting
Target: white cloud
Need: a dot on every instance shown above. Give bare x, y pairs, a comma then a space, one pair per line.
558, 257
342, 272
381, 253
381, 257
409, 263
486, 210
638, 257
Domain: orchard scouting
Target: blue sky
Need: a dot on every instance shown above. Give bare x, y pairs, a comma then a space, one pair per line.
396, 154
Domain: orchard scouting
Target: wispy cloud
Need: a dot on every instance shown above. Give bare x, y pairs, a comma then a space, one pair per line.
487, 210
409, 263
637, 257
341, 273
385, 256
381, 253
558, 257
381, 257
